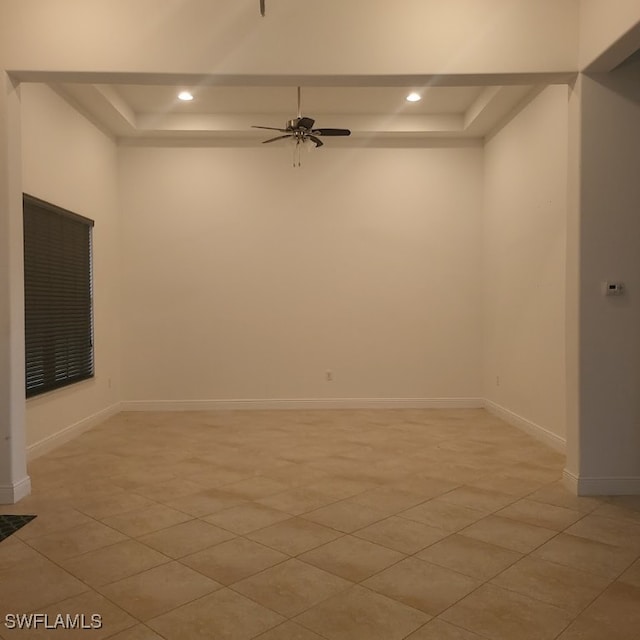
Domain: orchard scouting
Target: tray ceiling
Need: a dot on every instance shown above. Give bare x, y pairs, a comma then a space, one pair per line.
132, 112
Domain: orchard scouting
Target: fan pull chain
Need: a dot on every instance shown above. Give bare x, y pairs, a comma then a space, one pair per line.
296, 153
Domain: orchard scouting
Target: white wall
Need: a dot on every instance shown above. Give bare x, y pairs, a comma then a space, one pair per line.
68, 162
14, 481
230, 37
608, 459
524, 239
247, 278
609, 32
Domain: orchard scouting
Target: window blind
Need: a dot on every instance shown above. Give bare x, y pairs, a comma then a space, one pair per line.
58, 296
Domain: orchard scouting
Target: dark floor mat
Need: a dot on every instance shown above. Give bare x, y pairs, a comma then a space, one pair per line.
10, 524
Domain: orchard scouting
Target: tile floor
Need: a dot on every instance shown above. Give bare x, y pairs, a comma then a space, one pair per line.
334, 525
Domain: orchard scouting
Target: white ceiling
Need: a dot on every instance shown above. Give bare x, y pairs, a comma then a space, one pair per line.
227, 113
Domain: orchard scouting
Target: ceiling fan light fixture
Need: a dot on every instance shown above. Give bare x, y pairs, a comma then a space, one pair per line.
413, 97
185, 96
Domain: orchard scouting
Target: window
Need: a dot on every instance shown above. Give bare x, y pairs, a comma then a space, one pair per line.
58, 296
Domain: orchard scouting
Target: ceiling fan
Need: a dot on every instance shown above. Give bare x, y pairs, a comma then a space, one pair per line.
301, 130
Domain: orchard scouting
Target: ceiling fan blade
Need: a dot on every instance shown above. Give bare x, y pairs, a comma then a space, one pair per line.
331, 132
316, 141
262, 8
276, 138
257, 126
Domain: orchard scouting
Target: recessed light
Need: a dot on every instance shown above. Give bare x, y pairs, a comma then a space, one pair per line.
413, 97
185, 96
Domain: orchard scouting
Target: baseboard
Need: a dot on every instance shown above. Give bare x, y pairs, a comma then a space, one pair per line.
533, 429
570, 481
10, 494
624, 486
68, 433
302, 403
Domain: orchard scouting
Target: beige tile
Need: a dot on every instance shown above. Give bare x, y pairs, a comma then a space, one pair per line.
51, 520
422, 585
289, 631
299, 500
443, 515
113, 563
294, 536
394, 471
168, 490
586, 555
204, 503
73, 542
360, 613
138, 523
585, 628
456, 472
617, 512
254, 488
112, 619
186, 538
632, 575
139, 632
224, 614
427, 487
112, 505
388, 500
555, 584
158, 590
523, 468
499, 614
345, 516
346, 471
438, 629
541, 514
291, 587
618, 606
400, 534
557, 494
341, 487
471, 557
609, 531
233, 560
480, 499
247, 517
352, 558
14, 552
296, 475
32, 587
36, 504
218, 477
509, 534
627, 502
506, 483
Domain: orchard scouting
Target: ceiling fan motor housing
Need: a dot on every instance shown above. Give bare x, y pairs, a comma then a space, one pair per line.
300, 123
